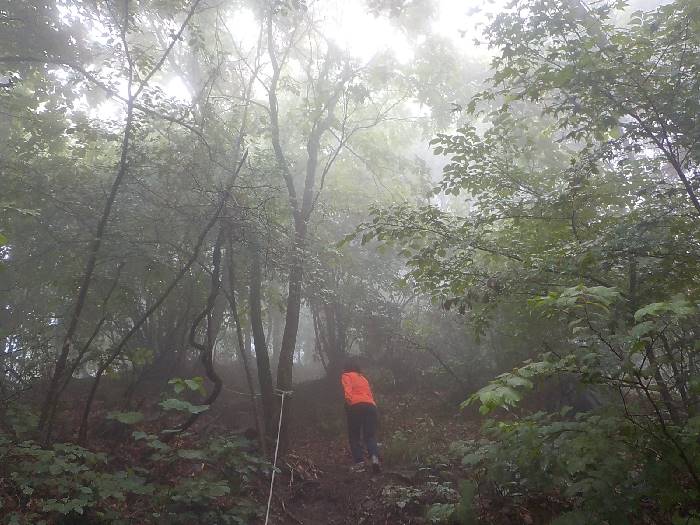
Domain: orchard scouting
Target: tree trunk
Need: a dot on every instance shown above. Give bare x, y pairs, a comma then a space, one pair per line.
262, 358
291, 324
259, 421
206, 349
337, 332
320, 344
277, 327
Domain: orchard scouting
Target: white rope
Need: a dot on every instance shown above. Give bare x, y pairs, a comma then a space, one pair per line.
244, 394
277, 447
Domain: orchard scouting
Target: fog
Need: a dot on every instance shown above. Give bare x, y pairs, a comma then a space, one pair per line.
226, 223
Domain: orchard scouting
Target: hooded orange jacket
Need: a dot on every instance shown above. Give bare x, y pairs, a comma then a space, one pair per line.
356, 389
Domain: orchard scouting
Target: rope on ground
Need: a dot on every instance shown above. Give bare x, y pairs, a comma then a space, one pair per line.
244, 394
277, 447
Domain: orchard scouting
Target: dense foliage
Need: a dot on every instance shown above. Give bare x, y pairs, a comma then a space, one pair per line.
580, 207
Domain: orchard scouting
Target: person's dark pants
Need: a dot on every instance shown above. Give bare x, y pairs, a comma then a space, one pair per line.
362, 426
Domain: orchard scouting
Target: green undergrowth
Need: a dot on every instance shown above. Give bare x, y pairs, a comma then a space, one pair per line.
146, 479
603, 467
632, 462
66, 483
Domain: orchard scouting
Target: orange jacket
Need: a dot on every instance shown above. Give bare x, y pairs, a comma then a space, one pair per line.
356, 389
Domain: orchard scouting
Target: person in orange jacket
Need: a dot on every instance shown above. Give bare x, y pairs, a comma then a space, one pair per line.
362, 415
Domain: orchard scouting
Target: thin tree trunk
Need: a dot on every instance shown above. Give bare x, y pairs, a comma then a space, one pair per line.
291, 326
679, 378
663, 387
319, 338
259, 423
336, 350
206, 349
278, 326
270, 327
261, 355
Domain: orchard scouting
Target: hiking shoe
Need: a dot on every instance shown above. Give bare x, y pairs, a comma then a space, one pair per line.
358, 467
376, 468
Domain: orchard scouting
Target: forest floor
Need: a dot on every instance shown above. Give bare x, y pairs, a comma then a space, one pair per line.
418, 424
317, 487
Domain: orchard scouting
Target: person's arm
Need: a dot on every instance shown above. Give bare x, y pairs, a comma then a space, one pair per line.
347, 387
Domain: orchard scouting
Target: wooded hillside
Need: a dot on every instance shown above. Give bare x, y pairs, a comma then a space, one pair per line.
208, 206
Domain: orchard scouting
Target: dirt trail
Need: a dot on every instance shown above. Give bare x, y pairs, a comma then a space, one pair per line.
317, 487
335, 496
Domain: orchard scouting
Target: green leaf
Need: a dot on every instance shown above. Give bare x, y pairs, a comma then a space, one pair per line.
196, 384
178, 385
642, 329
495, 395
679, 308
182, 406
518, 382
